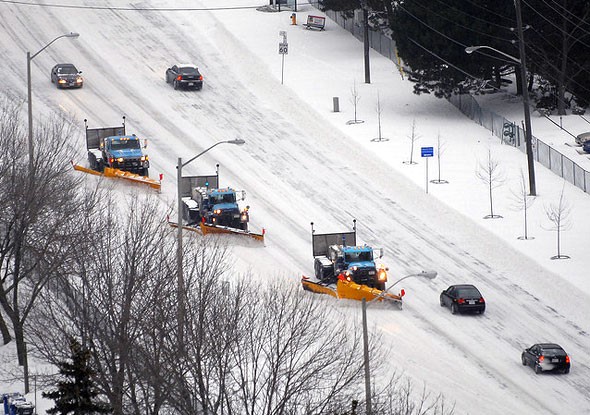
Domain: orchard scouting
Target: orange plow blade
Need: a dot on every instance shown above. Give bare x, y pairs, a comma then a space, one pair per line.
120, 174
207, 229
350, 291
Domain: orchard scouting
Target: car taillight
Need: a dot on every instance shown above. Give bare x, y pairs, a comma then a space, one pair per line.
461, 301
567, 359
179, 78
481, 300
541, 358
200, 77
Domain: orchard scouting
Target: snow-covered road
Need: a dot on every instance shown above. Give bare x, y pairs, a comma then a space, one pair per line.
296, 168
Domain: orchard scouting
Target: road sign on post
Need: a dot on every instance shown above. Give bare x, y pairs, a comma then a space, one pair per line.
427, 152
283, 50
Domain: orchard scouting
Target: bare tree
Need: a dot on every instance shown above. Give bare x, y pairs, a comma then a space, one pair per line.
523, 201
440, 148
558, 215
413, 137
39, 220
354, 99
379, 110
118, 300
489, 172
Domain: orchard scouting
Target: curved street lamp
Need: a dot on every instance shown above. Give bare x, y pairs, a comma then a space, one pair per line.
30, 94
424, 274
525, 94
179, 270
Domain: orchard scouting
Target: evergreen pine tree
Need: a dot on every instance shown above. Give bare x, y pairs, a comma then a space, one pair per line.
76, 394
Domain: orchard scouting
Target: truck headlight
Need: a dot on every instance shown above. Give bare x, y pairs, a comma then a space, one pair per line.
120, 160
382, 275
217, 211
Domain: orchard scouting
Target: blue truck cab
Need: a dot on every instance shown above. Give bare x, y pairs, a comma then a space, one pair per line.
220, 207
125, 153
357, 264
112, 147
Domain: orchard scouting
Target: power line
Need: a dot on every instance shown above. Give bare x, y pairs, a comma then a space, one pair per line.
149, 9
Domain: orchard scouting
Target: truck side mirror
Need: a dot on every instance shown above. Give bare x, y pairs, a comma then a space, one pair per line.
243, 194
145, 143
380, 252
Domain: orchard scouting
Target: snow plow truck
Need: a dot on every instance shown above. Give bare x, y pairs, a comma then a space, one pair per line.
344, 269
113, 153
211, 209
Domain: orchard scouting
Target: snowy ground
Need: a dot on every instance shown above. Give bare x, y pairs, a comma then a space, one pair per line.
303, 163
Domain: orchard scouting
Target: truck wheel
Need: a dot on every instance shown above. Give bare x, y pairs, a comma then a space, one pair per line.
175, 84
380, 286
144, 172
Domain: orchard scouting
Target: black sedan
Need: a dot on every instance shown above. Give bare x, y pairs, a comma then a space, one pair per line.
463, 298
544, 357
66, 75
184, 76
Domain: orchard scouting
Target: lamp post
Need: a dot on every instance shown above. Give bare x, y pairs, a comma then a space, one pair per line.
30, 94
179, 270
525, 100
424, 274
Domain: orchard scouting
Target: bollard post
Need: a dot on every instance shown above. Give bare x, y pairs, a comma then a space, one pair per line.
293, 19
336, 104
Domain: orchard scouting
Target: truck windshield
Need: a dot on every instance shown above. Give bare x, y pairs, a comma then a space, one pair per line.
225, 198
359, 256
124, 144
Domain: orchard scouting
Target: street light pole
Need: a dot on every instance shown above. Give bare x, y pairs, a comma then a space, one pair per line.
30, 94
179, 268
528, 134
424, 274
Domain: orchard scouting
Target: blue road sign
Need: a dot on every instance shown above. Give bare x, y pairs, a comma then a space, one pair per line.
427, 151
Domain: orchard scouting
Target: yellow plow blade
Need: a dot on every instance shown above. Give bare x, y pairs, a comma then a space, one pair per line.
120, 174
210, 229
207, 229
350, 291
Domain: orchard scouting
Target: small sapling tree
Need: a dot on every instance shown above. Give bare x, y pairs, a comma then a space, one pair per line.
440, 149
522, 201
558, 215
354, 99
379, 110
490, 173
413, 137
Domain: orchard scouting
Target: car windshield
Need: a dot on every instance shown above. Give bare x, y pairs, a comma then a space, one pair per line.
188, 71
358, 256
225, 198
67, 70
468, 293
124, 144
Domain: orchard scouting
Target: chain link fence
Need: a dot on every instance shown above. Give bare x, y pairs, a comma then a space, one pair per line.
506, 130
510, 133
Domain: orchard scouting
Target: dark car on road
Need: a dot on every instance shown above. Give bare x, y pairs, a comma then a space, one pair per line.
66, 75
545, 357
586, 146
184, 76
463, 298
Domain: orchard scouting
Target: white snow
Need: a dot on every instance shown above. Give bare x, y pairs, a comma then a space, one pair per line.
302, 162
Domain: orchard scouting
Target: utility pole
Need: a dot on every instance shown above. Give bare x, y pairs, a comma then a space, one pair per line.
366, 40
525, 98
